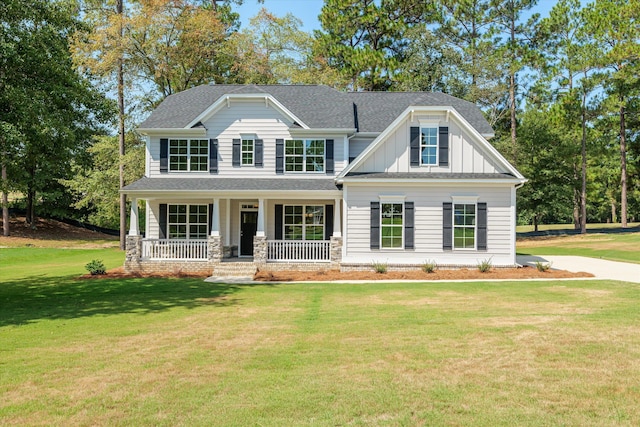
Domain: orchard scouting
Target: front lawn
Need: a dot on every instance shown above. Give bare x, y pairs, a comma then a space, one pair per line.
614, 246
187, 352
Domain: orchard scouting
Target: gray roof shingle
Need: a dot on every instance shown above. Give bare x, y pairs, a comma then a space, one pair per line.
422, 175
231, 184
317, 106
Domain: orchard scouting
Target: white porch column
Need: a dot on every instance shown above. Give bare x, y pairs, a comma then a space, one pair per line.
133, 223
227, 226
337, 219
215, 218
260, 230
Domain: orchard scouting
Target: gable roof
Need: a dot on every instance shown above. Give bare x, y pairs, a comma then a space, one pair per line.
317, 106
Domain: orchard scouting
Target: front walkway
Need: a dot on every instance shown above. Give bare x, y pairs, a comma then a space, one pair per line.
600, 268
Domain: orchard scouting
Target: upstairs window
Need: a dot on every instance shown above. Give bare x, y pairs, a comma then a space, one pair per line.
304, 155
190, 155
429, 146
247, 152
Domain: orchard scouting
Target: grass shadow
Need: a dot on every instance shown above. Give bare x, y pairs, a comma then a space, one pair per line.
37, 298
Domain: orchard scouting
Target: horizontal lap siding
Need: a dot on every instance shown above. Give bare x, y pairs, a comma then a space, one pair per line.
246, 118
428, 224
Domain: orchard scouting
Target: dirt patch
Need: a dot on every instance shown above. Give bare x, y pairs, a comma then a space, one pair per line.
52, 233
461, 274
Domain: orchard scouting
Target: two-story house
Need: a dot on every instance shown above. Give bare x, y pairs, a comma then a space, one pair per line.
309, 177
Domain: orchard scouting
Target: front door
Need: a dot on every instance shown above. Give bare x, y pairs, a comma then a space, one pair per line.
248, 227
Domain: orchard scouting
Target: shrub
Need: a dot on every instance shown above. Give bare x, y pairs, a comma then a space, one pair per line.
542, 267
96, 267
429, 267
379, 267
484, 266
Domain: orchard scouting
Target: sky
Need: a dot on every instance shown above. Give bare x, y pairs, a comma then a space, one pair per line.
308, 10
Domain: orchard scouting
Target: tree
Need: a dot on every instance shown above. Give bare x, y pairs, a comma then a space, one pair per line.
50, 109
365, 40
614, 25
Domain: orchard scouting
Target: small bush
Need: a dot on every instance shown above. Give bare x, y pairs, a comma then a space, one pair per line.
429, 267
379, 267
542, 267
96, 267
484, 266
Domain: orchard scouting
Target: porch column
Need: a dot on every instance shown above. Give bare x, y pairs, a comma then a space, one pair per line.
260, 229
133, 223
227, 230
215, 218
337, 219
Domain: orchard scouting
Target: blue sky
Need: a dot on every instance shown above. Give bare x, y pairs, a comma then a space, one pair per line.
308, 10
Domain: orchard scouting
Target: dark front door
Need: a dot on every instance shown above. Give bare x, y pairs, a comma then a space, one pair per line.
248, 227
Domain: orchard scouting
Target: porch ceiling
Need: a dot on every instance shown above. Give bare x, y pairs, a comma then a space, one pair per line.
209, 185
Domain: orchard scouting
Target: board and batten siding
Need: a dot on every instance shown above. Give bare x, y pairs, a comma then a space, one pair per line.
465, 154
428, 226
247, 118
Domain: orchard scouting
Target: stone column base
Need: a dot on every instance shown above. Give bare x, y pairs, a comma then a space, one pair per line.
336, 251
215, 251
260, 250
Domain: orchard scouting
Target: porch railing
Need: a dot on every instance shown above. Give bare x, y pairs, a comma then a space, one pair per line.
174, 249
298, 250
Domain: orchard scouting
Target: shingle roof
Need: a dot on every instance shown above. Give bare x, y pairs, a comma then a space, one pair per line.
231, 184
317, 106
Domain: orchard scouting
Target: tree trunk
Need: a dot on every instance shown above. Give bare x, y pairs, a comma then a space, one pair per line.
5, 202
121, 135
535, 222
623, 168
512, 95
576, 209
613, 211
583, 150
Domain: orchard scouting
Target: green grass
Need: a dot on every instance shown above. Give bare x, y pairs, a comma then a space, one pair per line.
615, 246
186, 352
544, 227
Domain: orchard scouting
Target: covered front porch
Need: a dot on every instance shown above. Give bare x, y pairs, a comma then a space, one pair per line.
197, 231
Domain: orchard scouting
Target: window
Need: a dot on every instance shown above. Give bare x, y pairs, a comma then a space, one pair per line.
188, 155
391, 225
247, 151
304, 155
304, 223
464, 226
429, 146
188, 221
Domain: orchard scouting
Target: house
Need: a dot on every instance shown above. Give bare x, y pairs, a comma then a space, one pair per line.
307, 177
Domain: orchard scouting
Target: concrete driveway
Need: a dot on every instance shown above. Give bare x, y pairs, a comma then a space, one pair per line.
600, 268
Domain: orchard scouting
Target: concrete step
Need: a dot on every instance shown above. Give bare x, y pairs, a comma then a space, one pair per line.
235, 269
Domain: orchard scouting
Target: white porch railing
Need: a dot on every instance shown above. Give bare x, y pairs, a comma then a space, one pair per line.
298, 250
174, 249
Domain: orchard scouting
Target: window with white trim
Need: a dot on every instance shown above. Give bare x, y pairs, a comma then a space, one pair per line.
391, 225
190, 155
464, 226
304, 222
429, 146
304, 155
246, 152
188, 221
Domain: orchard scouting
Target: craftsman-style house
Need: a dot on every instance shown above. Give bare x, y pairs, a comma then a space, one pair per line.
309, 177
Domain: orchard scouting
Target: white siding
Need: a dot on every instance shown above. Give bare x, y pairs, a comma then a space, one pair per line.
428, 225
247, 118
357, 146
466, 154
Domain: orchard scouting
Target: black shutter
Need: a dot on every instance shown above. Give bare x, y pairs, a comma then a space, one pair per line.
279, 155
328, 222
213, 156
482, 226
415, 146
409, 219
375, 226
210, 218
236, 152
329, 155
163, 221
279, 220
443, 146
447, 227
164, 155
259, 153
